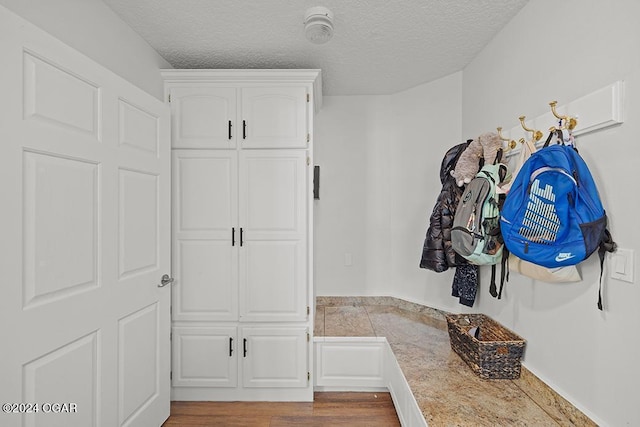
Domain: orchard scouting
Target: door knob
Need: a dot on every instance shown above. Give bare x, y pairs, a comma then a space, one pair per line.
165, 280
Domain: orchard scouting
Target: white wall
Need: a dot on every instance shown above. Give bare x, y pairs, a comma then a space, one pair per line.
380, 165
425, 122
341, 145
92, 28
589, 356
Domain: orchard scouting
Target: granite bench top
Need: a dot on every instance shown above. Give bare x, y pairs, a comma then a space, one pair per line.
445, 388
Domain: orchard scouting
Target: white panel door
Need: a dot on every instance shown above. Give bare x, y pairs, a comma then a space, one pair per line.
204, 117
206, 237
274, 117
274, 357
205, 356
85, 179
273, 205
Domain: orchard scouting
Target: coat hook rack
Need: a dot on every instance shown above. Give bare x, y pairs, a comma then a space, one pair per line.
511, 144
536, 134
566, 121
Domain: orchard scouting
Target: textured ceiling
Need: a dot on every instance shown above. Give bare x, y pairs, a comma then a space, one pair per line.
378, 47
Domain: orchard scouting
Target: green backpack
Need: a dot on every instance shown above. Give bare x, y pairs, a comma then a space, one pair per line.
475, 234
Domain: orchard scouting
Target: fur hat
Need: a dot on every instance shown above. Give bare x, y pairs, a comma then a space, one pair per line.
468, 164
491, 144
485, 146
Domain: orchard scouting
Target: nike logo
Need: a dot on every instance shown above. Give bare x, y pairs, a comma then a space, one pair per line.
563, 256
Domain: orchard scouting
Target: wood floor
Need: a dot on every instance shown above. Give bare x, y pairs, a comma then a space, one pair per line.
328, 409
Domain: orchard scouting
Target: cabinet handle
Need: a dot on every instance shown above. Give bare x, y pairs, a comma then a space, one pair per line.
244, 347
244, 129
233, 236
241, 235
230, 129
230, 346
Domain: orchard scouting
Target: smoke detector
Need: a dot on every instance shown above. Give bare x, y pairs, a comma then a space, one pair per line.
318, 24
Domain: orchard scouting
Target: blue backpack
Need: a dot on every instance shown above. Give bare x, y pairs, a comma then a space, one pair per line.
552, 215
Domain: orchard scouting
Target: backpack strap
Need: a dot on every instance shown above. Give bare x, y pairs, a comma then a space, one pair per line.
499, 154
492, 288
557, 133
504, 272
606, 245
502, 173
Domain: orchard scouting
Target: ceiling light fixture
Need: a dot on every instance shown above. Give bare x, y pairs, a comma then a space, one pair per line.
318, 24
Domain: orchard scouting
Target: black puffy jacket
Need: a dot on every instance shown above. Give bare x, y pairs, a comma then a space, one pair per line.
437, 253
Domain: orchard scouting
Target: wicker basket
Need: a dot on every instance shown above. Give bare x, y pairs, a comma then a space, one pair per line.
495, 354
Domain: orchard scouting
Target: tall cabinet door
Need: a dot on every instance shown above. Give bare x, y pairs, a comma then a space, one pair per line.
205, 235
204, 117
273, 207
274, 117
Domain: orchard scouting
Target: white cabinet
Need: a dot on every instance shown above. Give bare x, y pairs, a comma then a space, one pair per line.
273, 263
275, 357
274, 117
210, 356
205, 217
210, 116
204, 356
203, 117
240, 250
242, 263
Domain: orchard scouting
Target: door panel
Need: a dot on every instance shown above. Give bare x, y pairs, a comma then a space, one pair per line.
206, 281
275, 357
205, 357
51, 183
273, 277
202, 117
138, 222
138, 128
273, 189
273, 199
47, 85
85, 177
205, 188
43, 376
206, 236
273, 265
274, 117
138, 362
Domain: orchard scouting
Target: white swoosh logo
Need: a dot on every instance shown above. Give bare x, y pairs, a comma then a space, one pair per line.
564, 257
